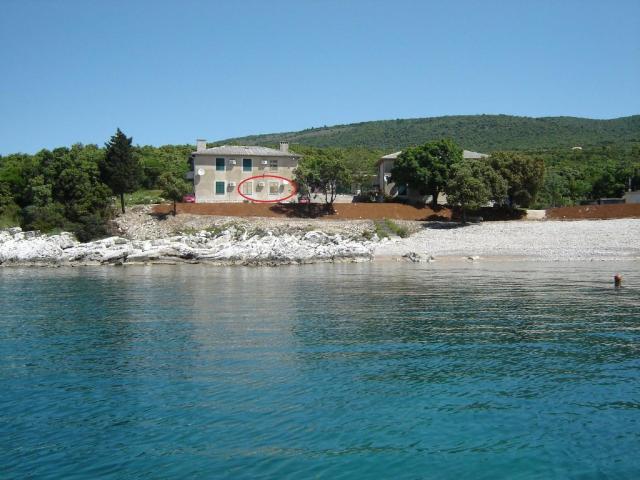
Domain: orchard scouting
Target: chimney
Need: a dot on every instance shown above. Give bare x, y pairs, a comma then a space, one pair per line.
284, 147
201, 145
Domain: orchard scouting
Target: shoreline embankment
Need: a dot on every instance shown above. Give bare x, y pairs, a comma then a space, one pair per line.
144, 238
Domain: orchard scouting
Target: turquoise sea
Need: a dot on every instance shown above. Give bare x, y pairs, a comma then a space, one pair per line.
385, 370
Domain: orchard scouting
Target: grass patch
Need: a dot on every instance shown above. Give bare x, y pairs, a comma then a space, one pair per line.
380, 229
8, 222
399, 230
385, 228
143, 197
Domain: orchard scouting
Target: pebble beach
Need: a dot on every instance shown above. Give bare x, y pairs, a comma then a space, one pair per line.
145, 239
549, 240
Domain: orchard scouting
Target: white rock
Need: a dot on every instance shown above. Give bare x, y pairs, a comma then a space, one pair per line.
316, 237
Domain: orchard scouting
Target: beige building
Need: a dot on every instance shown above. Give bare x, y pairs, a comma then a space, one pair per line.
386, 186
233, 173
632, 196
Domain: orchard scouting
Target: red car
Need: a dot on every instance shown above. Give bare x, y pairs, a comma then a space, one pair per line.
190, 198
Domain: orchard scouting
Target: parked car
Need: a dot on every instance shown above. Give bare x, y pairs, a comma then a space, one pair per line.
189, 198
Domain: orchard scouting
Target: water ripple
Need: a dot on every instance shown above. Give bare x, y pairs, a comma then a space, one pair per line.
333, 371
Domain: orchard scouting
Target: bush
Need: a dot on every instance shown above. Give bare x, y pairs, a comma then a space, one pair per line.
91, 227
45, 217
9, 215
367, 235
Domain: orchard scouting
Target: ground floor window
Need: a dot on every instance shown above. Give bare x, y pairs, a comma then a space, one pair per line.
273, 188
219, 188
247, 188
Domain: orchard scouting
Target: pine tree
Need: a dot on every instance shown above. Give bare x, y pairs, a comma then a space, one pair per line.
120, 169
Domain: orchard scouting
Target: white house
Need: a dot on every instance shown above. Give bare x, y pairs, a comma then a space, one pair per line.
232, 173
386, 186
632, 196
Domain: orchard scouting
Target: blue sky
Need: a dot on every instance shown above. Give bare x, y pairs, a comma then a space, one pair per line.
170, 71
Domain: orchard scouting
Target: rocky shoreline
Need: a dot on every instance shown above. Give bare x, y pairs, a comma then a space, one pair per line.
231, 246
144, 239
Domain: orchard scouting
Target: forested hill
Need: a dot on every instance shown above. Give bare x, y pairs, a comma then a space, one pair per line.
483, 133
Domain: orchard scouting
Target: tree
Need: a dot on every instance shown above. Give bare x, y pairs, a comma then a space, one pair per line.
427, 168
331, 173
306, 179
555, 191
68, 193
75, 180
38, 192
496, 183
472, 184
610, 183
323, 172
173, 188
6, 199
120, 169
524, 176
8, 208
155, 161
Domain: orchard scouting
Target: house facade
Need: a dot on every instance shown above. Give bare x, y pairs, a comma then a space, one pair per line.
632, 196
387, 187
232, 173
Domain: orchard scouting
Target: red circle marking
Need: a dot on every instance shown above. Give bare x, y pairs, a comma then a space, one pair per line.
288, 180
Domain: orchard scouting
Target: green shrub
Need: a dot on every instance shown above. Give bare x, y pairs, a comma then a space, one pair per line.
380, 229
91, 227
399, 230
9, 216
367, 235
45, 217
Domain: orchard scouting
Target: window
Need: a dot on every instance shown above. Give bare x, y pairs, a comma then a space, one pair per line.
273, 164
273, 188
219, 164
247, 164
247, 188
219, 188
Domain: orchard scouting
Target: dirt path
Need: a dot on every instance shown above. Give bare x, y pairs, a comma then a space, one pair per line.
595, 212
397, 211
342, 211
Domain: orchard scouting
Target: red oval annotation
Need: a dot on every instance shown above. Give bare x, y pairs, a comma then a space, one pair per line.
294, 189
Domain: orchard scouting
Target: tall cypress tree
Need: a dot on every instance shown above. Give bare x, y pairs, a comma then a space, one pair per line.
120, 169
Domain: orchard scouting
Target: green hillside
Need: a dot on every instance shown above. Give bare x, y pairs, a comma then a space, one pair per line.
483, 133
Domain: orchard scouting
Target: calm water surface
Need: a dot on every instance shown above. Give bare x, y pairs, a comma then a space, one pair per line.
331, 371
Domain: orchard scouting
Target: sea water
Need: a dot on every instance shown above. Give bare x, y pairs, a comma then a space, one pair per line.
383, 370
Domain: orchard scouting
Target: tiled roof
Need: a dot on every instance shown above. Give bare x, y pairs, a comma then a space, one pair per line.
392, 156
470, 154
248, 151
465, 154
